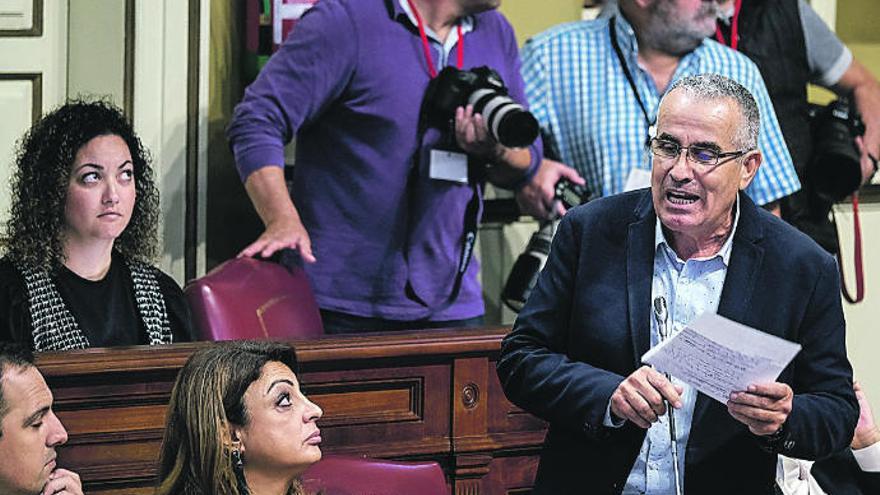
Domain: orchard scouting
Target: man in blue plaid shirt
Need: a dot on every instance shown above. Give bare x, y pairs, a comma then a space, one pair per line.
595, 85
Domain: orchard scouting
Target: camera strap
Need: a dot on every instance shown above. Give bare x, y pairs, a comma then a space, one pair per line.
734, 28
612, 26
469, 239
472, 210
471, 214
426, 47
857, 258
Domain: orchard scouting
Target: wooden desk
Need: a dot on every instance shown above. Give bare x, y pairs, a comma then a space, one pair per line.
419, 395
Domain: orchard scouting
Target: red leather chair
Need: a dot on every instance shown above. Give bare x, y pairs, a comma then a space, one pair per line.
246, 298
341, 475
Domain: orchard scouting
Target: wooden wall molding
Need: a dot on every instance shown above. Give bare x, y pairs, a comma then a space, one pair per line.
36, 80
36, 29
370, 401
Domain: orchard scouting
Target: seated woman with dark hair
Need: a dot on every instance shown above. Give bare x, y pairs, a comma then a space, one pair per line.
80, 237
238, 424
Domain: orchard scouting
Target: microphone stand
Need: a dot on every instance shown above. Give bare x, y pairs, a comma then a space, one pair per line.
661, 316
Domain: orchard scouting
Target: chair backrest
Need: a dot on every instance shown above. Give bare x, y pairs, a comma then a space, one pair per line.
342, 475
245, 298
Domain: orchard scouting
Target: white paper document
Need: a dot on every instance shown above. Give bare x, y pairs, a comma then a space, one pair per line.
718, 356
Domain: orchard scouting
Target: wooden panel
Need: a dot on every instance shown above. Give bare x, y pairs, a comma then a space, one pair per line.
419, 395
369, 402
364, 408
512, 474
469, 397
122, 421
508, 423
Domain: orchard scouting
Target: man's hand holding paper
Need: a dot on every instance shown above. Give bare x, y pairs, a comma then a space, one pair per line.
640, 397
734, 364
762, 407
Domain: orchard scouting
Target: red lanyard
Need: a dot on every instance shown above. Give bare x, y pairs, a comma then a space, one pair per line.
734, 28
432, 70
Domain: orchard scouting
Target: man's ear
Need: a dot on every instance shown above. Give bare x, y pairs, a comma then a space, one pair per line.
751, 164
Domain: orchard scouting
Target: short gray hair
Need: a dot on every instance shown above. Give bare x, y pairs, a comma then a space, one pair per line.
716, 86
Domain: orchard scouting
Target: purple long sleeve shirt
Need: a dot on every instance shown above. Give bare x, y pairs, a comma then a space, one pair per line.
348, 83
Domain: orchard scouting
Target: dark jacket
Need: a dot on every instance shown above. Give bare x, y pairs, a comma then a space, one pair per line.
587, 324
840, 474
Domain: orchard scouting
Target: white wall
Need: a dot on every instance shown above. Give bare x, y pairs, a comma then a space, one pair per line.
160, 108
863, 320
96, 49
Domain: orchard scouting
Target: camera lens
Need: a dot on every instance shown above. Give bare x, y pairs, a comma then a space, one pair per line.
508, 121
524, 274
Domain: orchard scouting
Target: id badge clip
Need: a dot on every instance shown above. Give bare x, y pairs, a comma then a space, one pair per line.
448, 165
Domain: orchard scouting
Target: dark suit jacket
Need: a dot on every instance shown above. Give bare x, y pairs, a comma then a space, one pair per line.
841, 475
587, 324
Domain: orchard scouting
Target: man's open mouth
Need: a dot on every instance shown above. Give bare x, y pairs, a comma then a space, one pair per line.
681, 198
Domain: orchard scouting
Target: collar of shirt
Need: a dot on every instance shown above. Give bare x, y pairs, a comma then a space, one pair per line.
724, 252
626, 35
401, 7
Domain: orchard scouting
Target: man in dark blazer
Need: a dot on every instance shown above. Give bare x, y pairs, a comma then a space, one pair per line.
695, 240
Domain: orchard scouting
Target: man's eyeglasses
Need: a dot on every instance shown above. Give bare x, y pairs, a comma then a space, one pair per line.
701, 155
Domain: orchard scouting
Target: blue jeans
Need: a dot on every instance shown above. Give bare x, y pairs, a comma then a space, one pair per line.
336, 323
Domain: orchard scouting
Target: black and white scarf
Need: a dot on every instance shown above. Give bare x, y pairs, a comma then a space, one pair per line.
55, 328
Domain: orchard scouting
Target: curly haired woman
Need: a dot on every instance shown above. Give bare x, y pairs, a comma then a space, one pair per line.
82, 231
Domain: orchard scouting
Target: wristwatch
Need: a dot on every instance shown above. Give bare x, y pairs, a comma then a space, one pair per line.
777, 442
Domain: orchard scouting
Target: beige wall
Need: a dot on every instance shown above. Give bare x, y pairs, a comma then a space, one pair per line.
530, 17
857, 21
863, 339
96, 49
863, 331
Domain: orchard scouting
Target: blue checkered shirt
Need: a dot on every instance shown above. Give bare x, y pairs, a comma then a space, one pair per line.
578, 92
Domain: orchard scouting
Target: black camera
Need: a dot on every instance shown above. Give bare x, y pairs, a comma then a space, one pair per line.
508, 121
835, 171
524, 274
570, 194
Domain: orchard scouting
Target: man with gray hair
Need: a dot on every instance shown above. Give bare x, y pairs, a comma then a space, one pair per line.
696, 243
29, 430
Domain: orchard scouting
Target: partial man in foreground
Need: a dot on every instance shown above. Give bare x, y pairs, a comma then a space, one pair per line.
29, 430
698, 242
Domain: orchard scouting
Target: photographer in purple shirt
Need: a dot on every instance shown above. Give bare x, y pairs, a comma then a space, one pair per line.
382, 239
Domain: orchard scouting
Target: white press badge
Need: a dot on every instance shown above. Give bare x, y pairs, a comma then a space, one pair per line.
449, 165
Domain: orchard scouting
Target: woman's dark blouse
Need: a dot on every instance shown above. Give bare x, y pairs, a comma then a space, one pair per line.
105, 310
